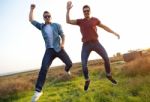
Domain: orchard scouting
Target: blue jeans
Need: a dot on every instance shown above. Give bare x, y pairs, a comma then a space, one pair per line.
49, 56
99, 49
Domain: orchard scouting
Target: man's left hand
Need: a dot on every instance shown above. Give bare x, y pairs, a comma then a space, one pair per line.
62, 46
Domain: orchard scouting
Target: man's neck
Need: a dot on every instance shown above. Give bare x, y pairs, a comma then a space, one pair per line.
47, 22
88, 18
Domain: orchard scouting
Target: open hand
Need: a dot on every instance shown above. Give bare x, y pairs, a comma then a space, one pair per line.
69, 5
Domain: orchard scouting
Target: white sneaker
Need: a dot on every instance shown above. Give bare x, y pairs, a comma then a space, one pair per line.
36, 96
69, 73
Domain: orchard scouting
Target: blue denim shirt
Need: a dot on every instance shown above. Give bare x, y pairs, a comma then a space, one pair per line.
57, 31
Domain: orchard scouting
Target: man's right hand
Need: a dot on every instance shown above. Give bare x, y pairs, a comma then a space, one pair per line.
69, 5
32, 6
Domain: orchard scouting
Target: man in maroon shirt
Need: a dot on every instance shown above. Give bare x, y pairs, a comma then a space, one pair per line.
90, 41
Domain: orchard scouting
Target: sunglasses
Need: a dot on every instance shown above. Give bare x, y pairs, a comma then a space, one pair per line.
47, 16
86, 11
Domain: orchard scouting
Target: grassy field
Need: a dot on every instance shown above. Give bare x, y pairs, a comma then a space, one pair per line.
133, 84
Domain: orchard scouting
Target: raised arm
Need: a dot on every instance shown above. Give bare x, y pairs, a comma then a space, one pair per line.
108, 30
31, 12
69, 6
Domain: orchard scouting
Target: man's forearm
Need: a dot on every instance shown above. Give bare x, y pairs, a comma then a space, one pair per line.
67, 17
63, 40
108, 29
111, 31
31, 16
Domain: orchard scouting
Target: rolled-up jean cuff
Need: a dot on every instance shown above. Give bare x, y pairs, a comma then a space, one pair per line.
38, 90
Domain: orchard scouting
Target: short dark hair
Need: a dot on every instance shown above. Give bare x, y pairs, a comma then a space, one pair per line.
45, 12
86, 6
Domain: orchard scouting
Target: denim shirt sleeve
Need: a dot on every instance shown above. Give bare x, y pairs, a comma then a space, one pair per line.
36, 24
60, 31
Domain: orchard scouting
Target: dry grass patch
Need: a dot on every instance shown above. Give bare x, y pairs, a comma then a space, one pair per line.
12, 86
140, 66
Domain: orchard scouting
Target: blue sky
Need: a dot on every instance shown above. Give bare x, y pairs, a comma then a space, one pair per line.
22, 46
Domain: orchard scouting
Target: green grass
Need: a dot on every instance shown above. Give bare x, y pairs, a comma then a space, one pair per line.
62, 88
100, 90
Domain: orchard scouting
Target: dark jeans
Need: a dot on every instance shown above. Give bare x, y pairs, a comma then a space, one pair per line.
50, 55
98, 48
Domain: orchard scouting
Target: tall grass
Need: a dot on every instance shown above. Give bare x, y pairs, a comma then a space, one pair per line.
9, 86
133, 84
136, 83
140, 66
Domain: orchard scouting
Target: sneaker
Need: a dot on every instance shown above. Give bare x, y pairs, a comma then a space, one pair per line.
87, 82
36, 96
68, 72
112, 80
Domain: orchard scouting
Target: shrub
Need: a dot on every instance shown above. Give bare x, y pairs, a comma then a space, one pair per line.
140, 66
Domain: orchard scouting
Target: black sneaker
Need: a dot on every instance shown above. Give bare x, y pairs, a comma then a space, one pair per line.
112, 80
87, 82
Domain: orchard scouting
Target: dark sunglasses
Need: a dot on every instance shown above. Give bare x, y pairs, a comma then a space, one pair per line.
48, 16
86, 11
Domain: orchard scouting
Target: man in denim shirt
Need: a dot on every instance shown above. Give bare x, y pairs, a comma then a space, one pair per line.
51, 33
